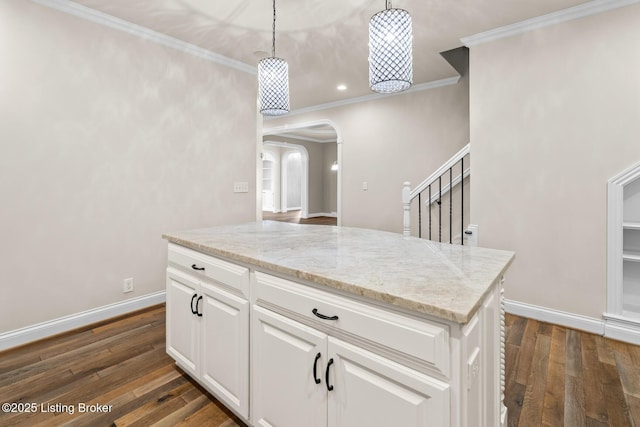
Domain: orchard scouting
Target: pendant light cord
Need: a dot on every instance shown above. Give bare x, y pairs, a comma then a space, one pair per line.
387, 4
273, 40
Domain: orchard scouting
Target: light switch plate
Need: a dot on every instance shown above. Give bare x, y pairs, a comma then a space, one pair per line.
240, 187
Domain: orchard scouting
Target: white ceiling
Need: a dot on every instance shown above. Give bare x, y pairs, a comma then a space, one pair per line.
324, 41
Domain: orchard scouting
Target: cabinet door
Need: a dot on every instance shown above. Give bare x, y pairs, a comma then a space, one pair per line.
224, 367
283, 355
369, 390
182, 324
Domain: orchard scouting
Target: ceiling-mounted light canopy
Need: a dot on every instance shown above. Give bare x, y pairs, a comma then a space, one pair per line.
390, 50
273, 80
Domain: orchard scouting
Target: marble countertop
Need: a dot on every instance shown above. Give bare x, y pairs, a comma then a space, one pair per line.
438, 279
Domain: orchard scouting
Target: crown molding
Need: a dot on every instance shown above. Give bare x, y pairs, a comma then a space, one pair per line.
580, 11
373, 96
101, 18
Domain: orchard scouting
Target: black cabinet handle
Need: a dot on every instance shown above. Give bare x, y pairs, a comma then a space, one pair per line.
326, 376
322, 316
194, 311
195, 267
315, 365
198, 312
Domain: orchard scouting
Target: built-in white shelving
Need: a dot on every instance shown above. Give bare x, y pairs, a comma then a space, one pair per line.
622, 319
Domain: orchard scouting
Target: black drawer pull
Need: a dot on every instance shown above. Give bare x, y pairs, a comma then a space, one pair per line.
198, 312
326, 377
322, 316
315, 365
195, 267
194, 311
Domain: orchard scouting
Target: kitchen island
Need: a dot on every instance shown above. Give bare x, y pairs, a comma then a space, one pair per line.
293, 325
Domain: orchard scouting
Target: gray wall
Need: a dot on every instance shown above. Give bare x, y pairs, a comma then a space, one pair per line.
388, 141
554, 115
107, 141
330, 186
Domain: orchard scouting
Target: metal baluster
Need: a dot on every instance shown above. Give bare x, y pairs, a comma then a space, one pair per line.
440, 208
429, 204
419, 215
451, 205
462, 201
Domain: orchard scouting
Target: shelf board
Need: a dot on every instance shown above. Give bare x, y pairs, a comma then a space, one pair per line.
632, 313
631, 225
631, 256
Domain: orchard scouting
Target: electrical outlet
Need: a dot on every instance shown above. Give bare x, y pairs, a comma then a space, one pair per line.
127, 285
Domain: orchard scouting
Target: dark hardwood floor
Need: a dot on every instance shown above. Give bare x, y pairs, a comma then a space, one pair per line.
555, 377
294, 216
121, 363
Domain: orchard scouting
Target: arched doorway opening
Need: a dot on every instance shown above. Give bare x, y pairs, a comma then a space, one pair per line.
321, 193
285, 176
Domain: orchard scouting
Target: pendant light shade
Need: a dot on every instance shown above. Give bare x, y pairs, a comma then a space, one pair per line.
273, 86
273, 80
390, 51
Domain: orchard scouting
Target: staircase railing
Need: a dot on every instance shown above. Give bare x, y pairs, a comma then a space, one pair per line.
440, 183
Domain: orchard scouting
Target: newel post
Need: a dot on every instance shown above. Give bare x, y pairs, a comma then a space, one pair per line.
406, 203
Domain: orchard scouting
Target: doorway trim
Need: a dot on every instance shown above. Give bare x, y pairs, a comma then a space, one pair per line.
279, 130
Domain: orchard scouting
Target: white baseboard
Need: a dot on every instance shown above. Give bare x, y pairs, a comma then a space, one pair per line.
622, 329
557, 317
46, 329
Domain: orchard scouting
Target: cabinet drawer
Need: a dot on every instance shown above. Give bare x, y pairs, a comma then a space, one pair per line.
205, 266
422, 339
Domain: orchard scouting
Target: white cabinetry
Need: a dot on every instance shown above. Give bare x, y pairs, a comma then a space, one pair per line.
284, 392
183, 335
324, 358
623, 287
370, 390
304, 377
208, 324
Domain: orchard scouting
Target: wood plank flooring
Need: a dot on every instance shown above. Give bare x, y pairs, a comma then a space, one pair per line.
555, 376
294, 216
120, 363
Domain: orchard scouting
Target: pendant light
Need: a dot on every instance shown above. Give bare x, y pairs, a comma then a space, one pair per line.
390, 50
273, 80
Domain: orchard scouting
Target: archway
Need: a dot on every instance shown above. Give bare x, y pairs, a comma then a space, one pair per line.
320, 131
